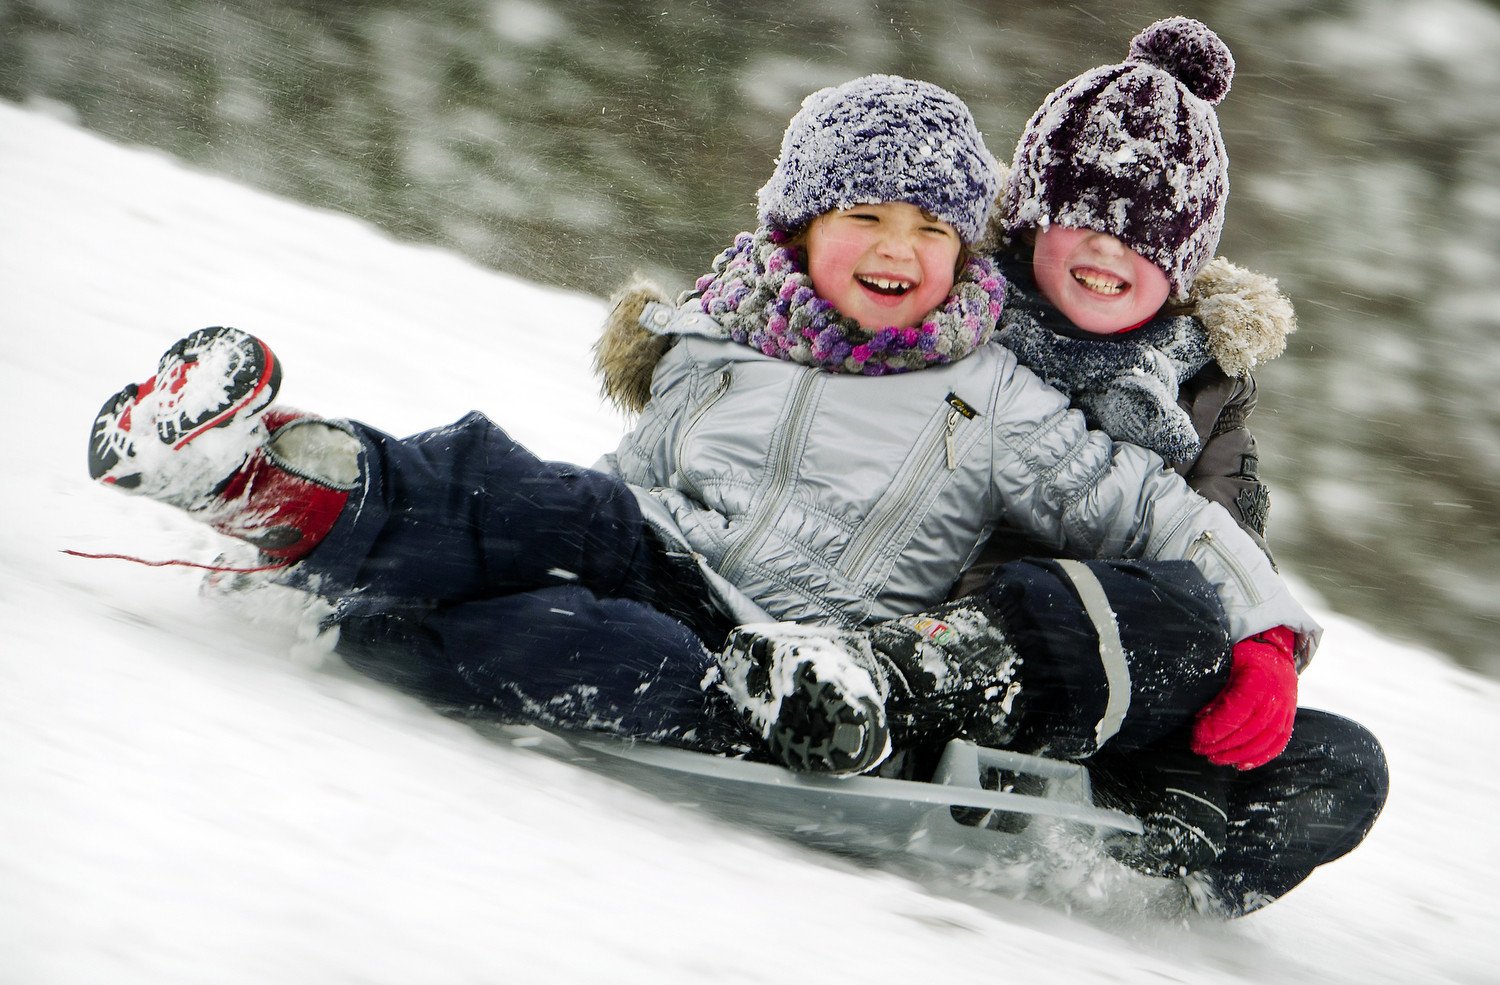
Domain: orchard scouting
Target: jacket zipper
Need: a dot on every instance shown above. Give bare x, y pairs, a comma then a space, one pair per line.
1207, 541
949, 445
780, 477
697, 415
872, 537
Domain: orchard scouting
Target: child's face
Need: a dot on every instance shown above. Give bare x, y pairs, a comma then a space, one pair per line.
1100, 284
885, 265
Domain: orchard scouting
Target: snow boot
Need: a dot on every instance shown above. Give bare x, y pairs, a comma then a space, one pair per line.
292, 488
179, 434
815, 695
198, 436
952, 672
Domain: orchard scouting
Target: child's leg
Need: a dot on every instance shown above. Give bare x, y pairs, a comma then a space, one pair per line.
1312, 804
449, 515
1247, 837
1052, 657
1115, 654
464, 512
559, 658
1058, 657
1181, 799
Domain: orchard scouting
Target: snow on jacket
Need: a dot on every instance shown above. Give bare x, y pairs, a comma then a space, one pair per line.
842, 499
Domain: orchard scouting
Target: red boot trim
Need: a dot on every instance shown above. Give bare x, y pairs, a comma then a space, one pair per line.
284, 514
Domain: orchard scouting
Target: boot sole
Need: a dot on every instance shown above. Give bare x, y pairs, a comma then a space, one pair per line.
820, 729
253, 381
252, 384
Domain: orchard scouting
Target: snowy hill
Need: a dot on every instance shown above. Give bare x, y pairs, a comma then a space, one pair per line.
192, 791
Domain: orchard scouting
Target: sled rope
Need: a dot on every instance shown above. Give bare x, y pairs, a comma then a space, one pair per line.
226, 569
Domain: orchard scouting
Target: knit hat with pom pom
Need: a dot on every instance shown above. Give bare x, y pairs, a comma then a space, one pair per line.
882, 138
1134, 150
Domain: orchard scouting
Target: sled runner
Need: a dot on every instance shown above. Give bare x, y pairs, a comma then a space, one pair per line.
955, 817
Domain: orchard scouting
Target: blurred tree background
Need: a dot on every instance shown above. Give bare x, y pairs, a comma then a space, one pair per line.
576, 142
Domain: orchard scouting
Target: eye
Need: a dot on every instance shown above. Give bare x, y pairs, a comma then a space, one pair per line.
864, 216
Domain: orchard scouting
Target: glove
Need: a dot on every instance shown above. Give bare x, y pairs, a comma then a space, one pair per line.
1250, 722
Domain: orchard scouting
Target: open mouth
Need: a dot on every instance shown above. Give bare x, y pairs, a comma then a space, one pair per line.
1100, 282
886, 286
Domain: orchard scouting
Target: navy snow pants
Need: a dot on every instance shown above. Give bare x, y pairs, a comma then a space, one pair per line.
472, 574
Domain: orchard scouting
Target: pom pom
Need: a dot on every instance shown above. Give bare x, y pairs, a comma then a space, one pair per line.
1188, 51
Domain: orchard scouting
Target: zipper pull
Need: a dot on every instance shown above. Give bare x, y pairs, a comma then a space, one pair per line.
961, 409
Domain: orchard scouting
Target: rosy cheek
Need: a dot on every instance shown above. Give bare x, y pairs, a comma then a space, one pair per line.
1151, 284
933, 292
821, 271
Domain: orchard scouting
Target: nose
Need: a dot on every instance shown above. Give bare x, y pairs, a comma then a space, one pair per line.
1107, 244
898, 244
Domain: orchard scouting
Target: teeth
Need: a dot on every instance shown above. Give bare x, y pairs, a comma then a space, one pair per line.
886, 284
1099, 284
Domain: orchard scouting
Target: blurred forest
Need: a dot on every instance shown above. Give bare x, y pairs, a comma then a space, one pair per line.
576, 142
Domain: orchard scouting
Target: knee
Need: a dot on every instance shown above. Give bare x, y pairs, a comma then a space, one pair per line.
1353, 763
1347, 743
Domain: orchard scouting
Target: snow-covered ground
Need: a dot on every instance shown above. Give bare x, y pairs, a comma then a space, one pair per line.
193, 791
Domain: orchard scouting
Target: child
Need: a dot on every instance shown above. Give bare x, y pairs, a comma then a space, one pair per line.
771, 476
1113, 208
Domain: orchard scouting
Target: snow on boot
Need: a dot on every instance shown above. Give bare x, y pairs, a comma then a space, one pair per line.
288, 494
178, 436
815, 695
952, 672
198, 436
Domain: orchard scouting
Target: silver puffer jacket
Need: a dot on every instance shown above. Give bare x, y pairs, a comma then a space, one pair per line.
831, 498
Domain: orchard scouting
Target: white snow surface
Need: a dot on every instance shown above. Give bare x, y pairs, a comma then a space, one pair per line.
194, 791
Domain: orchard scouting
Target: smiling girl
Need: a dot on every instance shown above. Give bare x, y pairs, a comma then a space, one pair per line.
887, 263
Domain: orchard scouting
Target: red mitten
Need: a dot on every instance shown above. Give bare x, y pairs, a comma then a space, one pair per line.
1250, 722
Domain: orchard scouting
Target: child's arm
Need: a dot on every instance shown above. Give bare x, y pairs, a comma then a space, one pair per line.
1248, 321
1227, 470
1074, 488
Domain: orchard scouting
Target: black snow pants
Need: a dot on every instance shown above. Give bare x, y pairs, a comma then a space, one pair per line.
1117, 659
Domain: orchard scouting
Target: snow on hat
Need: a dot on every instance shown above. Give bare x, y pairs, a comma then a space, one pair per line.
882, 138
1134, 150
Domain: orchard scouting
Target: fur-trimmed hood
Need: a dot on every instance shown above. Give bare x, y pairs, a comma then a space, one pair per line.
626, 354
1245, 315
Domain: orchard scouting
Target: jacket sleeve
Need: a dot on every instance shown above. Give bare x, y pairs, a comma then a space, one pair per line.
1227, 469
1076, 490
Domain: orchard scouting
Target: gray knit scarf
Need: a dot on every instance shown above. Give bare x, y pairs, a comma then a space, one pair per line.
1126, 385
760, 293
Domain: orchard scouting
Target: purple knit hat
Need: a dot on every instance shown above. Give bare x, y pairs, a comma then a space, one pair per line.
882, 138
1134, 150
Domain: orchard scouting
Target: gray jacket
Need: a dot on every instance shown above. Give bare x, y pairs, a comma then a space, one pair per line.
831, 498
